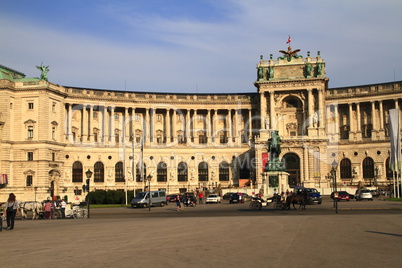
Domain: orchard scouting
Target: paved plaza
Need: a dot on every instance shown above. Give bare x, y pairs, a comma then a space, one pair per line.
144, 239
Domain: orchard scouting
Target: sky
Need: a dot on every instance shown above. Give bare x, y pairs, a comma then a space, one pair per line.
197, 46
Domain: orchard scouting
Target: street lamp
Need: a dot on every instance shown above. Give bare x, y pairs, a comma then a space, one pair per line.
149, 178
333, 173
88, 173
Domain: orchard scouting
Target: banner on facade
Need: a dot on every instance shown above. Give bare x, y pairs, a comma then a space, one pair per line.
264, 158
395, 138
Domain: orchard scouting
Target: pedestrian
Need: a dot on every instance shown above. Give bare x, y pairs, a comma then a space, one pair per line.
52, 209
11, 209
47, 208
63, 205
178, 203
200, 197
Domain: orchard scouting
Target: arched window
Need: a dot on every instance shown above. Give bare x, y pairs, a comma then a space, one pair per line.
346, 168
223, 171
99, 172
118, 172
77, 172
161, 172
138, 173
182, 172
203, 171
368, 168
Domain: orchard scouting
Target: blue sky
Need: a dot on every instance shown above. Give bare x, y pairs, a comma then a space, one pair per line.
194, 46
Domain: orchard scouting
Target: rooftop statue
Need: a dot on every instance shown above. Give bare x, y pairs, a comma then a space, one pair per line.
44, 69
290, 53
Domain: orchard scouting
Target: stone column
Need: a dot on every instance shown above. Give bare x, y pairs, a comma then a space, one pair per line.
230, 126
90, 126
263, 109
112, 126
101, 123
84, 136
381, 115
373, 121
69, 119
174, 134
187, 127
305, 164
320, 109
213, 125
351, 119
272, 111
168, 125
126, 125
107, 125
208, 127
310, 107
147, 130
337, 118
250, 126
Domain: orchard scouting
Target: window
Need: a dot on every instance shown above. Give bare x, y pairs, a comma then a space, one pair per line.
53, 156
180, 139
54, 107
30, 105
53, 133
95, 115
182, 172
368, 168
30, 132
159, 117
116, 116
161, 172
137, 117
30, 156
203, 171
29, 180
344, 131
118, 172
346, 168
223, 171
99, 172
77, 172
222, 137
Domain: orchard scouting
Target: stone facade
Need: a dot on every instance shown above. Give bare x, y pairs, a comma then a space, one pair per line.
50, 135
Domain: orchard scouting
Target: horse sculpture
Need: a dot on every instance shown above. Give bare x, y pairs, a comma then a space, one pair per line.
274, 146
34, 206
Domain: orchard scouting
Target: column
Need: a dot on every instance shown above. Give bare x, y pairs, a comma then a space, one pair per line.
101, 124
112, 138
336, 114
84, 136
174, 134
132, 131
381, 115
351, 119
250, 126
167, 126
90, 127
69, 129
213, 126
230, 126
106, 125
208, 126
310, 107
263, 109
359, 123
306, 165
187, 127
272, 111
373, 121
320, 109
236, 127
146, 128
126, 125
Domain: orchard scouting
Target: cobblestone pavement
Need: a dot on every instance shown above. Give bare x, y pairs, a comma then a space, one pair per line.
295, 239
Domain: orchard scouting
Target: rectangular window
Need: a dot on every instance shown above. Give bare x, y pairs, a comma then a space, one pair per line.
30, 133
95, 115
53, 133
29, 180
30, 156
30, 105
54, 107
53, 157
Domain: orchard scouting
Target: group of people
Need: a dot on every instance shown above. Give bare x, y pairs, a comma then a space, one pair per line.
12, 209
50, 208
189, 200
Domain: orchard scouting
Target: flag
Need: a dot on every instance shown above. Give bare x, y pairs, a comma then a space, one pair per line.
395, 138
289, 40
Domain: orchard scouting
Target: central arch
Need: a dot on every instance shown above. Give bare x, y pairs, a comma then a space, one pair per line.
292, 166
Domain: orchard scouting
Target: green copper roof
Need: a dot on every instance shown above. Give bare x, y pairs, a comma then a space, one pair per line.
10, 74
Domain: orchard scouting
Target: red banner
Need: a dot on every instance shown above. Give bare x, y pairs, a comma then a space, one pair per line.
264, 160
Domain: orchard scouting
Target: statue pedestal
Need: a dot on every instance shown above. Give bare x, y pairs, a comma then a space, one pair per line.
274, 180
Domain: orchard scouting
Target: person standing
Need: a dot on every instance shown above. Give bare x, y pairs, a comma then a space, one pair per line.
63, 205
11, 209
200, 197
47, 208
178, 202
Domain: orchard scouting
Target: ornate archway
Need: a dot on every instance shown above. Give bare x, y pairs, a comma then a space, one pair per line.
292, 166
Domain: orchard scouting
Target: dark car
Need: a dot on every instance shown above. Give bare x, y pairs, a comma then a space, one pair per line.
234, 198
226, 196
315, 196
341, 195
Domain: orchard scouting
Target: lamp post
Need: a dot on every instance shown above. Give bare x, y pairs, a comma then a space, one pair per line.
333, 173
88, 173
149, 178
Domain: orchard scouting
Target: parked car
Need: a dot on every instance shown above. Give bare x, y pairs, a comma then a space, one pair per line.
226, 196
315, 196
341, 195
172, 197
363, 194
239, 198
213, 198
375, 193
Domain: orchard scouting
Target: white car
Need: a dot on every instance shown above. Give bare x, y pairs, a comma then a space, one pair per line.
363, 194
213, 198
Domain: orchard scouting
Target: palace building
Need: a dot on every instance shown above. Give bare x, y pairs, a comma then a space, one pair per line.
50, 134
